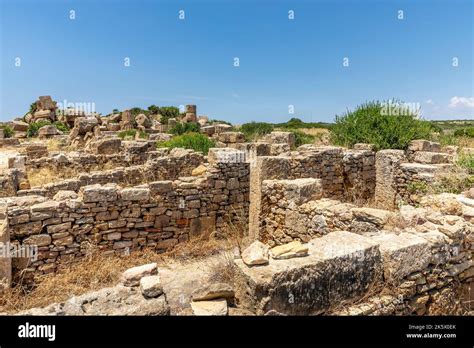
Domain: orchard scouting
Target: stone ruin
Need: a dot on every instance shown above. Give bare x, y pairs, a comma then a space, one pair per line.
323, 225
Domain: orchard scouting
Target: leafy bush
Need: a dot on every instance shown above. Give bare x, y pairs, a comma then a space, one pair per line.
303, 138
61, 126
136, 111
196, 141
255, 129
464, 132
33, 128
182, 128
153, 109
132, 133
466, 161
220, 121
168, 112
7, 131
368, 124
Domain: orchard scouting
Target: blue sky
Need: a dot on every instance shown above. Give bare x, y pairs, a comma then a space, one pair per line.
283, 62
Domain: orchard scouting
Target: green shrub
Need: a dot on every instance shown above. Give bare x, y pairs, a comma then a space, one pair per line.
253, 130
182, 128
196, 141
33, 128
168, 112
132, 133
303, 138
8, 131
466, 161
369, 124
61, 127
464, 132
153, 109
220, 121
136, 111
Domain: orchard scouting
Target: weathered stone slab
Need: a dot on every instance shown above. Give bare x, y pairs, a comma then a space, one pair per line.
298, 191
207, 308
339, 266
135, 194
132, 276
213, 291
255, 254
402, 254
99, 193
431, 157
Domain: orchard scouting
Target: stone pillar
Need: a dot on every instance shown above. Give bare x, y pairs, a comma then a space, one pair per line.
265, 167
387, 163
5, 259
191, 115
127, 120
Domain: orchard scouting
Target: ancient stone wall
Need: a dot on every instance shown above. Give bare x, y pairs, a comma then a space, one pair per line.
157, 215
176, 163
344, 174
407, 273
399, 174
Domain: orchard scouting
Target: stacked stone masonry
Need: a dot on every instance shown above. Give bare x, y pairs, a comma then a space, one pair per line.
119, 220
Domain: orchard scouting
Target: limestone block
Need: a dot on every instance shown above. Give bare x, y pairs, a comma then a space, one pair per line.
424, 145
160, 187
99, 193
298, 191
281, 138
213, 291
431, 157
377, 217
289, 250
151, 286
20, 126
402, 254
255, 254
107, 146
132, 276
48, 131
208, 308
135, 194
231, 137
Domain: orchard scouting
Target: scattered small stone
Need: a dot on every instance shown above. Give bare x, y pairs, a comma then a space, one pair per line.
255, 254
132, 276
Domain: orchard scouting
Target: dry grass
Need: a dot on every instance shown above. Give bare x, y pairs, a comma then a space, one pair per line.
93, 272
322, 135
96, 271
43, 176
56, 145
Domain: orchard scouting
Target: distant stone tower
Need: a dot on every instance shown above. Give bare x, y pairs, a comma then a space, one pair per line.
191, 115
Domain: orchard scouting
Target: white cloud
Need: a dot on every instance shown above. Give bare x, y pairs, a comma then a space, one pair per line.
429, 102
461, 102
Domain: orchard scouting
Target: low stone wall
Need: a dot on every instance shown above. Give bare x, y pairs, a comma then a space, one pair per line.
157, 215
399, 173
344, 174
388, 273
133, 153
